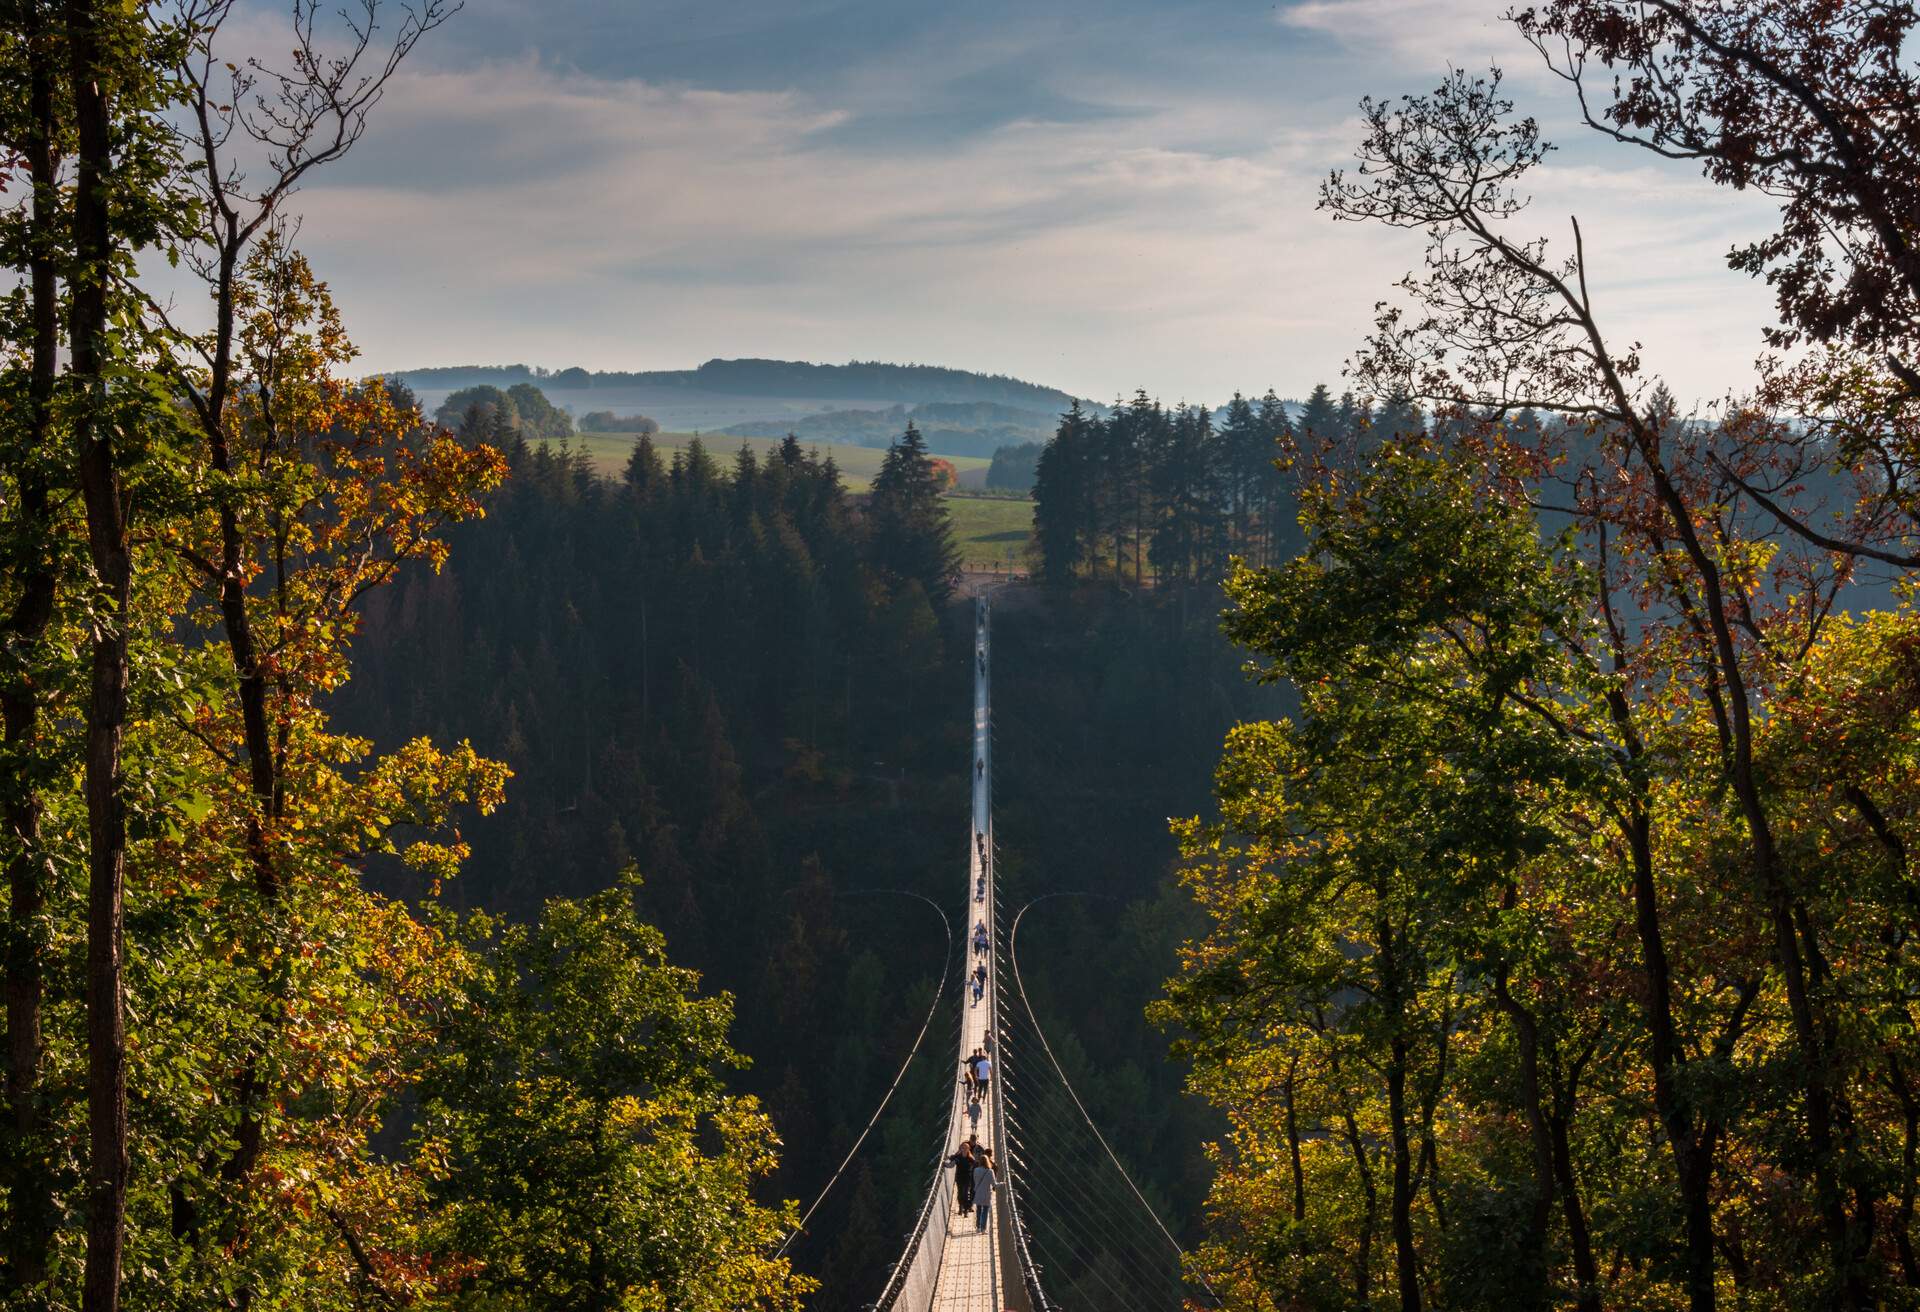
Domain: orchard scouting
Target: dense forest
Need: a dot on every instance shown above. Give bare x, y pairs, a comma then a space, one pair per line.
439, 875
1560, 942
732, 676
1148, 488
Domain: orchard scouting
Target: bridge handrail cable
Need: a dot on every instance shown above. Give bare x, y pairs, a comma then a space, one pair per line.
1013, 955
939, 991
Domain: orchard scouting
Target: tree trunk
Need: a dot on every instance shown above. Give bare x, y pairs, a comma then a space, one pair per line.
1363, 1263
1692, 1160
1293, 1146
1579, 1238
107, 707
1825, 1106
1909, 1151
1406, 1262
27, 1170
1527, 1033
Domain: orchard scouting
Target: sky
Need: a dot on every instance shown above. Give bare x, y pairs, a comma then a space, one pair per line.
1098, 195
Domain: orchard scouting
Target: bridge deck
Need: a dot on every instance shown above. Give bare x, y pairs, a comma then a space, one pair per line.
972, 1268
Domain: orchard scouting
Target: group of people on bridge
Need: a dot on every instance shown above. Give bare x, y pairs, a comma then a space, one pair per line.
981, 946
973, 1181
977, 1071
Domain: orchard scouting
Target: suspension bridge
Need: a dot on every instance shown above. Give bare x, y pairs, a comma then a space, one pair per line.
1065, 1228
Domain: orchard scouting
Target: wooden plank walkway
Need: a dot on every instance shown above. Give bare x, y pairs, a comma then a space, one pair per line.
972, 1268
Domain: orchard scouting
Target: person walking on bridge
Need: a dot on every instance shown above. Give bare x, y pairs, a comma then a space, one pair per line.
980, 938
979, 983
982, 1190
982, 1073
963, 1163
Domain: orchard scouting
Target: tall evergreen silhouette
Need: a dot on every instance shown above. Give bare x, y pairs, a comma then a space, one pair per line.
912, 530
1169, 490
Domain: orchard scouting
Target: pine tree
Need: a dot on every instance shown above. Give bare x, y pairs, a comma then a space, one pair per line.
1279, 533
1065, 521
644, 473
1181, 452
912, 529
1320, 418
1244, 453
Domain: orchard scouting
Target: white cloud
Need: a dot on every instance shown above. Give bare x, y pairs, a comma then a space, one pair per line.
1425, 35
523, 211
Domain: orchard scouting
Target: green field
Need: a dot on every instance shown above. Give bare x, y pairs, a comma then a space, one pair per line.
987, 528
858, 464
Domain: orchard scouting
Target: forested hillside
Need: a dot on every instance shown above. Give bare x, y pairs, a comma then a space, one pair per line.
858, 379
853, 400
725, 675
1559, 945
1460, 832
238, 1073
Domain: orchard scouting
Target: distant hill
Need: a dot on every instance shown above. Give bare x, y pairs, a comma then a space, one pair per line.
729, 393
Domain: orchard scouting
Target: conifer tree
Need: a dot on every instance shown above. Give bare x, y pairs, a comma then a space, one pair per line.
1064, 518
1320, 419
1279, 533
644, 472
912, 529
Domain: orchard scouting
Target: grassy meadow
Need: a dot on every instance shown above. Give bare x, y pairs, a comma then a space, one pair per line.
988, 528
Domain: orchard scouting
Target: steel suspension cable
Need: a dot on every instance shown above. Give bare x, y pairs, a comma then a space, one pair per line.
1071, 1206
1073, 1154
1094, 1240
1098, 1241
1083, 1209
939, 990
1013, 954
1112, 1220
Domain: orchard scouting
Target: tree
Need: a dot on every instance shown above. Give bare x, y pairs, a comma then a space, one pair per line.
1184, 476
1450, 163
539, 418
912, 529
1704, 629
590, 1157
483, 408
195, 526
1273, 493
1065, 518
606, 421
1814, 105
32, 536
1015, 468
1383, 897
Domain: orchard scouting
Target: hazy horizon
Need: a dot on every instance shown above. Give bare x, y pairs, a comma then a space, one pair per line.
1096, 198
